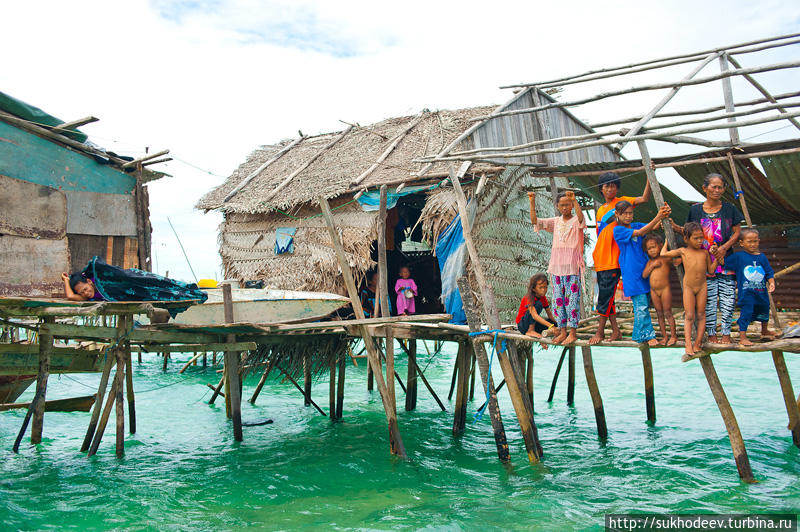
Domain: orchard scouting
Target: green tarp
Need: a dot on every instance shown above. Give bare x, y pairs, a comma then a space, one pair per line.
18, 108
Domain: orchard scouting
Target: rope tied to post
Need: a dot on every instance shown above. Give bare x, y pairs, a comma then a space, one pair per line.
738, 193
495, 332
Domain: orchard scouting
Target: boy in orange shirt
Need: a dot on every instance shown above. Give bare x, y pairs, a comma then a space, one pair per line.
606, 254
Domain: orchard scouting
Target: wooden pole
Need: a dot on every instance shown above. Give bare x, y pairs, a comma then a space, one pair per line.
383, 279
332, 391
453, 382
98, 403
762, 90
788, 395
529, 375
411, 381
119, 390
126, 353
460, 412
727, 94
649, 393
594, 391
472, 376
217, 388
45, 350
103, 421
556, 373
395, 440
474, 321
521, 402
307, 380
571, 377
264, 379
340, 386
734, 434
232, 359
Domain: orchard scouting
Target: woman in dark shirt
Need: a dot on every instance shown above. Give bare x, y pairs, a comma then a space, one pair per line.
721, 222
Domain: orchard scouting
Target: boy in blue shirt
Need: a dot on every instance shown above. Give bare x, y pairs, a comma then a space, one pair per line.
632, 260
755, 280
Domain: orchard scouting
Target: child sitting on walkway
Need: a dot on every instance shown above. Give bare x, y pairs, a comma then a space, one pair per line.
632, 261
657, 272
566, 261
529, 317
697, 263
755, 279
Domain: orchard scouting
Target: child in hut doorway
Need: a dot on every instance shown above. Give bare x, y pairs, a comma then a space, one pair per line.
657, 272
530, 321
406, 289
606, 253
566, 261
755, 279
632, 260
697, 263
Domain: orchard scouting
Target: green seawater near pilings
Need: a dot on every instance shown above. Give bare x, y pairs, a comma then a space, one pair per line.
31, 158
182, 469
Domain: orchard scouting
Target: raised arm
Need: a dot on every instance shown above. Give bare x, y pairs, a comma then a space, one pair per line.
577, 206
532, 201
68, 292
669, 253
663, 212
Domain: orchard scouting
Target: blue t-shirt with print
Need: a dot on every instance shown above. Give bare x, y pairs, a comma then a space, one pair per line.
752, 272
632, 260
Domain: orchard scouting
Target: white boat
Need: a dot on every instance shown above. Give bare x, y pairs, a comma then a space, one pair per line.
257, 305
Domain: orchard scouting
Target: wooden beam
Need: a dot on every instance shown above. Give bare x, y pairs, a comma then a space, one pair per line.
148, 157
383, 294
649, 392
232, 359
395, 440
72, 124
45, 350
594, 391
727, 94
244, 182
64, 330
366, 321
366, 173
760, 88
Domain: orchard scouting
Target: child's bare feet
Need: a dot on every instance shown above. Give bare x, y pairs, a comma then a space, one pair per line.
532, 333
653, 342
663, 341
597, 338
726, 339
688, 350
672, 340
570, 338
615, 335
743, 340
560, 338
768, 335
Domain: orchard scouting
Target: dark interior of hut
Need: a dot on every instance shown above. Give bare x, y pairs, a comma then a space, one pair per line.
405, 247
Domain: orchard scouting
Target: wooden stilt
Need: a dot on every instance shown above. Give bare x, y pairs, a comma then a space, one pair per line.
119, 390
166, 357
98, 403
263, 379
453, 382
214, 358
460, 410
205, 359
126, 353
217, 389
555, 375
45, 350
370, 384
529, 374
649, 392
101, 425
788, 395
395, 440
473, 319
294, 382
594, 391
383, 292
307, 380
735, 436
571, 377
139, 354
429, 387
227, 395
472, 376
411, 381
332, 392
232, 359
340, 386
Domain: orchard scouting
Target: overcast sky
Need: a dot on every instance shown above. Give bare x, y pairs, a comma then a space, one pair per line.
212, 80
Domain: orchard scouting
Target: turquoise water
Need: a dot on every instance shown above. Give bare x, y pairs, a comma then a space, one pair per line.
182, 470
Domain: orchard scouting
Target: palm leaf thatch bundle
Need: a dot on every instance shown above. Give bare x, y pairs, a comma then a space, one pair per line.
294, 351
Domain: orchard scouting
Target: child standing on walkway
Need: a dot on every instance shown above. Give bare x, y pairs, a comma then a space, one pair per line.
566, 261
606, 253
632, 261
406, 289
755, 279
657, 272
697, 262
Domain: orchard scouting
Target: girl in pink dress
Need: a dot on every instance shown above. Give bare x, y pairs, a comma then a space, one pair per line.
566, 261
406, 289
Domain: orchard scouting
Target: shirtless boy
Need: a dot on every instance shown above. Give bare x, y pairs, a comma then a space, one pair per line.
657, 270
697, 263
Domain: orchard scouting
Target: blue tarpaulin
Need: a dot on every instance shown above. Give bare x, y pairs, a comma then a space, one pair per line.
284, 240
370, 201
451, 251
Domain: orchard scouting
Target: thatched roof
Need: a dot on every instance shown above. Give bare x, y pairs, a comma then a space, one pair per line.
334, 170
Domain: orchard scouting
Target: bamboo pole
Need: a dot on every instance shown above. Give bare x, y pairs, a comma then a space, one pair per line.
396, 441
728, 417
760, 88
37, 407
474, 321
787, 270
594, 391
788, 395
649, 393
98, 404
232, 359
522, 406
727, 94
244, 182
400, 136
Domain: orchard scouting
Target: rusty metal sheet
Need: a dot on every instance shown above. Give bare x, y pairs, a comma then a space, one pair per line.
31, 266
31, 210
93, 213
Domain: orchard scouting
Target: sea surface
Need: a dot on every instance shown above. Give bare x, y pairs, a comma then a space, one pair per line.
182, 470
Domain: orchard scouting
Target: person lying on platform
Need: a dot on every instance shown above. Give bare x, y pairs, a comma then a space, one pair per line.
606, 253
657, 272
632, 260
697, 263
529, 317
102, 282
756, 280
